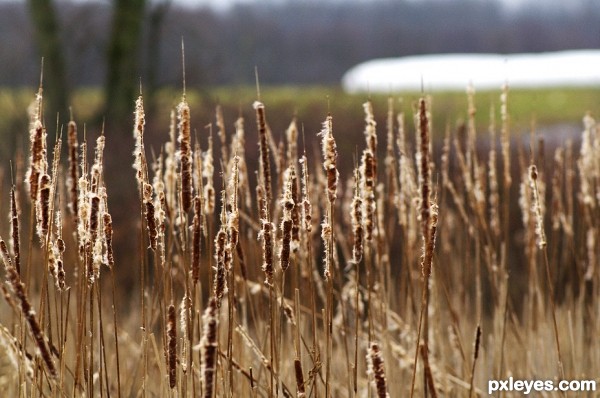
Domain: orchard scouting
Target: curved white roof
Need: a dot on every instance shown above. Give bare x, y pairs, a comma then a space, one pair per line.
484, 71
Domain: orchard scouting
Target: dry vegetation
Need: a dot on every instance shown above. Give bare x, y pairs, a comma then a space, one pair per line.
413, 275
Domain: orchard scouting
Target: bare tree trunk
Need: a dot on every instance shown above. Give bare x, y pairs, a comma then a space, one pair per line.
122, 83
47, 36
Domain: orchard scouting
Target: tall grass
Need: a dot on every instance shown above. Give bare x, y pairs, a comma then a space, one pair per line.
370, 283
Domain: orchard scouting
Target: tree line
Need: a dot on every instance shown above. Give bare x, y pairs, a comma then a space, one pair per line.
117, 43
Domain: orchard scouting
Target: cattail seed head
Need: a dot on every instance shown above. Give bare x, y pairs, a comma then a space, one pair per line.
108, 237
150, 216
287, 203
172, 345
185, 154
266, 235
196, 239
220, 284
357, 222
37, 139
326, 235
73, 174
376, 369
265, 162
329, 149
208, 346
14, 225
43, 207
424, 178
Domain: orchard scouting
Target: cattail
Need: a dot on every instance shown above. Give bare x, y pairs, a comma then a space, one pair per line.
108, 237
494, 197
138, 134
222, 134
370, 128
326, 235
423, 156
83, 232
73, 175
220, 285
58, 250
537, 207
505, 135
97, 168
37, 138
184, 316
429, 243
368, 166
43, 207
390, 158
208, 171
475, 356
306, 205
265, 164
587, 162
356, 214
301, 393
14, 226
233, 217
288, 205
172, 345
185, 154
150, 216
237, 145
375, 369
330, 158
266, 235
558, 207
291, 135
27, 310
196, 239
93, 268
170, 175
208, 346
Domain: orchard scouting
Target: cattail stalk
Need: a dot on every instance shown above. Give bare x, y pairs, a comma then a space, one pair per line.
475, 356
27, 310
542, 245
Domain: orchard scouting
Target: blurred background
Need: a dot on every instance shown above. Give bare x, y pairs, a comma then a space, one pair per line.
115, 45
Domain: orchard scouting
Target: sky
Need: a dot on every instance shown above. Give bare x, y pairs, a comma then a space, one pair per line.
509, 4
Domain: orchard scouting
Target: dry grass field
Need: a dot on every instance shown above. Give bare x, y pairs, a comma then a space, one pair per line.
426, 271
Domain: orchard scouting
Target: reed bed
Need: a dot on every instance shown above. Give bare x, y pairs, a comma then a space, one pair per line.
427, 270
